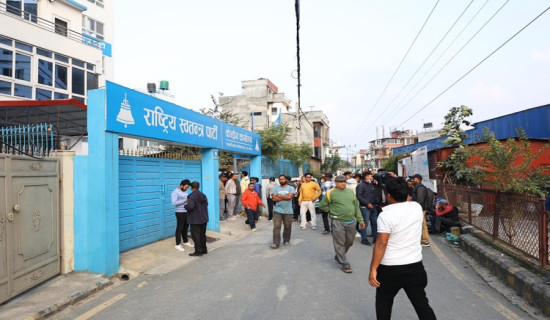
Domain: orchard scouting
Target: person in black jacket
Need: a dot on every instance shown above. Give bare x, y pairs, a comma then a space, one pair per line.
420, 195
368, 199
197, 216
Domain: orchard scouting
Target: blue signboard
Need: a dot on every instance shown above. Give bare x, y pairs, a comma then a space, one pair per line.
134, 113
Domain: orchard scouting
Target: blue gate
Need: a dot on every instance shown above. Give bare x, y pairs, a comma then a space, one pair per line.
145, 185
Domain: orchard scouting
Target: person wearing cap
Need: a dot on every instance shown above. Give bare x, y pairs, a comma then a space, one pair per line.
420, 195
446, 216
344, 211
179, 199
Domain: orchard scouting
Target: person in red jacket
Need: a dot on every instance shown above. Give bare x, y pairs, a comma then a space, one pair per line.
446, 216
250, 201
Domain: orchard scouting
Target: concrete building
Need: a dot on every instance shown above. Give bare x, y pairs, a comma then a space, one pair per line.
381, 149
260, 105
53, 50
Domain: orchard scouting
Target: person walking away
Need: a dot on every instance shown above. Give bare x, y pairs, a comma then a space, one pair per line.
282, 196
397, 257
179, 198
343, 207
197, 210
366, 195
420, 195
327, 185
309, 193
251, 200
243, 185
231, 194
221, 188
269, 189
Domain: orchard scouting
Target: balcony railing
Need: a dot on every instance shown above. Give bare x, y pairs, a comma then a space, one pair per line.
61, 30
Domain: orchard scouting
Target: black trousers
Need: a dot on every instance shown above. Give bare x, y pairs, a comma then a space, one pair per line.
326, 224
198, 233
181, 227
270, 208
410, 277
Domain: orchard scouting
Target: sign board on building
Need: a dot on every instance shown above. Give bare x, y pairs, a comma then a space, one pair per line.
420, 165
137, 114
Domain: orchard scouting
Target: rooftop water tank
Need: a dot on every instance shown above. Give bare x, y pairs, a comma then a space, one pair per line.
164, 85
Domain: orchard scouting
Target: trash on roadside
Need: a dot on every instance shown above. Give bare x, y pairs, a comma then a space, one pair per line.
467, 229
452, 237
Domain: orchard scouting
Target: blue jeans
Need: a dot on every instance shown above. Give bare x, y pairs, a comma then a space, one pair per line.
369, 215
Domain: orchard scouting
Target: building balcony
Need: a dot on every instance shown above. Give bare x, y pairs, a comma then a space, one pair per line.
22, 26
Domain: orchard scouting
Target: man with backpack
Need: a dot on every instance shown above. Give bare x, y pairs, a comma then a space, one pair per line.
425, 197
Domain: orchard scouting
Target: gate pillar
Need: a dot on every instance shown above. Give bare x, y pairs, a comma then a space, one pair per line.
209, 186
256, 167
101, 243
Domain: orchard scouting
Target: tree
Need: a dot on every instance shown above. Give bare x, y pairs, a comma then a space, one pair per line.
273, 140
457, 171
332, 164
391, 163
508, 166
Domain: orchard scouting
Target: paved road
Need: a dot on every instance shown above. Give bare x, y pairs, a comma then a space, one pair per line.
247, 280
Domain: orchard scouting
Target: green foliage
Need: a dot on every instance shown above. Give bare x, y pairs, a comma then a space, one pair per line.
333, 164
273, 140
508, 166
297, 153
457, 171
391, 163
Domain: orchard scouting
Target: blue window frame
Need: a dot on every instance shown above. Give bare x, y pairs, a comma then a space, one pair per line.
6, 62
42, 94
61, 77
23, 91
22, 67
5, 87
45, 72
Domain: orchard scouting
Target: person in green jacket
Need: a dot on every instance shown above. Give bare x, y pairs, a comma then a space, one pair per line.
344, 211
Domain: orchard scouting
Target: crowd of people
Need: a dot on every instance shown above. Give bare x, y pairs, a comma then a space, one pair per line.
401, 214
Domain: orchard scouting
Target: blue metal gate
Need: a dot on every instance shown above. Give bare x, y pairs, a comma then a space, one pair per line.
145, 185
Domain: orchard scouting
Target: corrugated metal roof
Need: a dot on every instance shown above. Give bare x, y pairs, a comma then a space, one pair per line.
535, 122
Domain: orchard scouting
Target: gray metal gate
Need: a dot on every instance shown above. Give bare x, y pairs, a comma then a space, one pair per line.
29, 219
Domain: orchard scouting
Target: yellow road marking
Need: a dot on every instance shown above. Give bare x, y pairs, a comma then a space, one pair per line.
502, 309
101, 307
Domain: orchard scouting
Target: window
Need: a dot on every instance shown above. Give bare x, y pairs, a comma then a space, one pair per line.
81, 99
92, 81
22, 67
23, 46
5, 87
98, 3
23, 91
78, 81
45, 72
6, 61
90, 66
6, 41
92, 27
26, 9
42, 94
78, 63
61, 58
274, 111
58, 95
61, 27
61, 77
43, 53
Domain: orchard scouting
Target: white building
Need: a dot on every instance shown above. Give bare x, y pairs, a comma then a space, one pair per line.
56, 49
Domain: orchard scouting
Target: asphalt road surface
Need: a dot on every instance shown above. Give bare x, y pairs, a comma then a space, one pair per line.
247, 280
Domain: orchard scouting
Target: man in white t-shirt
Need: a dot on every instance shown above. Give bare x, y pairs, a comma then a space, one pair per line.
397, 257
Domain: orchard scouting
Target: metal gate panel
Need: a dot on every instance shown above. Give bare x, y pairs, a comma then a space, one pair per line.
145, 185
4, 267
31, 222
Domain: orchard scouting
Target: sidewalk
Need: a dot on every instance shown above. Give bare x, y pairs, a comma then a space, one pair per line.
159, 257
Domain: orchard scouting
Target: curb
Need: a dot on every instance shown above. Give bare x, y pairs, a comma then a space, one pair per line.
526, 284
72, 299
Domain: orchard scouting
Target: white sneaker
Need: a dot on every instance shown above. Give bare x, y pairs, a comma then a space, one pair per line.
314, 228
253, 230
303, 228
179, 247
190, 245
232, 219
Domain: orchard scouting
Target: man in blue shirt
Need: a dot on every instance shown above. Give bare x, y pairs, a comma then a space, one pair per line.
179, 198
282, 213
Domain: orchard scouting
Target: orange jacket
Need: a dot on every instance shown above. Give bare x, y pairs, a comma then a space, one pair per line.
251, 200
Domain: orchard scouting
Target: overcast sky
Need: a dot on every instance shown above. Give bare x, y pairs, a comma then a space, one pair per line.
349, 51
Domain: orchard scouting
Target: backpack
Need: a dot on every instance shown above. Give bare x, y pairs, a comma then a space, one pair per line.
429, 204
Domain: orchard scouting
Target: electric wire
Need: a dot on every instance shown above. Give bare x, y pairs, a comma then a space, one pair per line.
473, 68
427, 58
396, 70
438, 72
